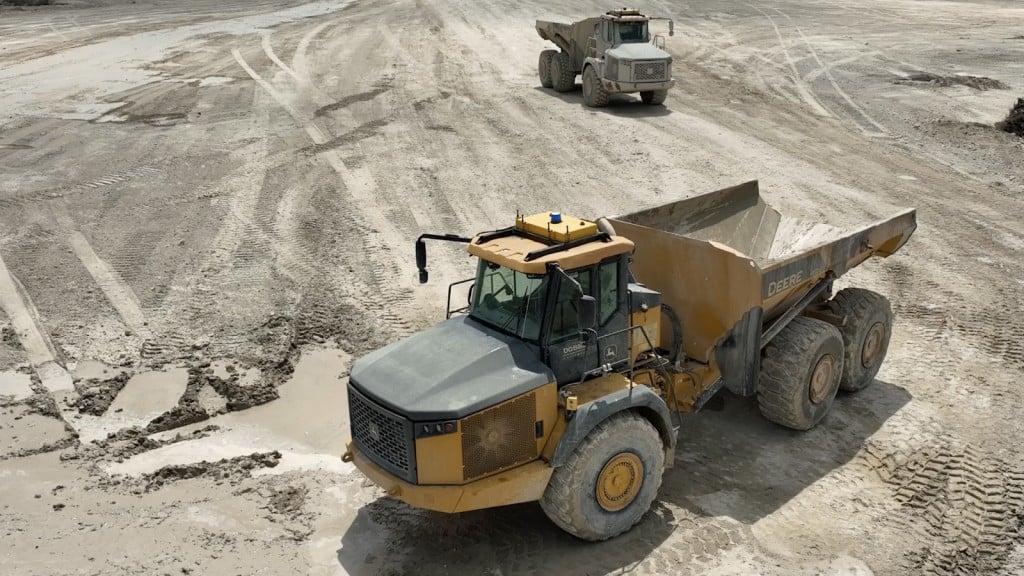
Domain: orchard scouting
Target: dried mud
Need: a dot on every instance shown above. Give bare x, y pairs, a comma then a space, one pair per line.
238, 397
96, 395
231, 470
975, 82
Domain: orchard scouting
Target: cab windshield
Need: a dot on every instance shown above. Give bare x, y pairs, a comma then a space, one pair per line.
633, 31
508, 300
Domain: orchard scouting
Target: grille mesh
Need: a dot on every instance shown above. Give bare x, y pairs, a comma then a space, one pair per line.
645, 71
499, 437
384, 436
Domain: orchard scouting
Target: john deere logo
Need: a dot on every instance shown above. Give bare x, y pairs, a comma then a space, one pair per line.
374, 432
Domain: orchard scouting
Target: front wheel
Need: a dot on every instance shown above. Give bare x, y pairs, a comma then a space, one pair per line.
653, 96
594, 94
610, 481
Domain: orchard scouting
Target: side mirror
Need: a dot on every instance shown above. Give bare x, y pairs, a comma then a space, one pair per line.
671, 28
421, 259
588, 312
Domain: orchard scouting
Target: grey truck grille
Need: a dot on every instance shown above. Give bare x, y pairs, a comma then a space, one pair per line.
649, 71
383, 436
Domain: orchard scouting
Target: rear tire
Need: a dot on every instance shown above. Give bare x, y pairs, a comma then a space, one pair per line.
800, 373
610, 481
866, 335
594, 95
544, 67
563, 77
654, 96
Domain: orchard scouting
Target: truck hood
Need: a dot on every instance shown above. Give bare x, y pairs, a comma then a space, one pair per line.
449, 371
638, 51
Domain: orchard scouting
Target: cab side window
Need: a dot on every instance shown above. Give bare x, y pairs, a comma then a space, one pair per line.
566, 316
609, 285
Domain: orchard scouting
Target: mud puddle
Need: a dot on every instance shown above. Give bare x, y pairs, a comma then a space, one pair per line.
138, 401
307, 424
15, 385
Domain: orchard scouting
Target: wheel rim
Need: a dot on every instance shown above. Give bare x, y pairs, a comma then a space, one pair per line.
872, 349
619, 481
588, 85
821, 378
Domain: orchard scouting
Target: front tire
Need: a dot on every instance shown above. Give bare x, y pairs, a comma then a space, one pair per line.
653, 97
610, 481
544, 67
563, 77
800, 373
866, 335
594, 94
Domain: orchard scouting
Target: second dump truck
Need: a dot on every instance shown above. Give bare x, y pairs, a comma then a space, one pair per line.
613, 53
584, 342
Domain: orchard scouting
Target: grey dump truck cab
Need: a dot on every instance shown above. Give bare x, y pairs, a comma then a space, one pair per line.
614, 53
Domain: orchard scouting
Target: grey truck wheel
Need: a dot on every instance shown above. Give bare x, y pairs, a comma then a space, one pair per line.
563, 77
544, 67
653, 96
800, 373
866, 335
594, 95
609, 482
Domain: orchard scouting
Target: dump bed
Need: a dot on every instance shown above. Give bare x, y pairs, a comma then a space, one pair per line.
727, 257
571, 38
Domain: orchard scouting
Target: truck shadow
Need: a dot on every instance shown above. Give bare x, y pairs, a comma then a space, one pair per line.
627, 105
730, 462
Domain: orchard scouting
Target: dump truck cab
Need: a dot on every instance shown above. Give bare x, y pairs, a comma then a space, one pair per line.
548, 280
479, 392
614, 53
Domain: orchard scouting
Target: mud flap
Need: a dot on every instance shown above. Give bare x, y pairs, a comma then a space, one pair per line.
738, 354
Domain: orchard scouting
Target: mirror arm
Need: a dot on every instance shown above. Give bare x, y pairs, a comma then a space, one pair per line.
421, 250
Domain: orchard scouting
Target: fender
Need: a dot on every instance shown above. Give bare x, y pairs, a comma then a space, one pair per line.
639, 398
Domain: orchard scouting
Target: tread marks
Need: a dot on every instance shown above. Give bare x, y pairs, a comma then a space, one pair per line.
967, 507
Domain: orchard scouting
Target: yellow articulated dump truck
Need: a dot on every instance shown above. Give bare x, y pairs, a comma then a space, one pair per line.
583, 343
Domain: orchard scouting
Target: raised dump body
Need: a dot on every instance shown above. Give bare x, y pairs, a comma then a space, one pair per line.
571, 38
729, 264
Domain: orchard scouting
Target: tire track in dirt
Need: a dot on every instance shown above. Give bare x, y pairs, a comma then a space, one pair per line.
802, 88
360, 185
879, 130
36, 342
967, 505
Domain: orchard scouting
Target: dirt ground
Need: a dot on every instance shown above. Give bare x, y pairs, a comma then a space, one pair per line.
207, 209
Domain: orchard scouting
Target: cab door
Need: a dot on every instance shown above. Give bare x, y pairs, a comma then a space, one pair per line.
567, 351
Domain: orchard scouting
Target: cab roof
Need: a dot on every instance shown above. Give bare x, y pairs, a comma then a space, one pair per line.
625, 15
531, 254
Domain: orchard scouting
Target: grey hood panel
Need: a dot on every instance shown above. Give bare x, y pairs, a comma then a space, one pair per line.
638, 51
449, 371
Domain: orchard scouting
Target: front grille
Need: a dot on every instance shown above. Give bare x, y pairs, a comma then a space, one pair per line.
385, 437
649, 71
499, 437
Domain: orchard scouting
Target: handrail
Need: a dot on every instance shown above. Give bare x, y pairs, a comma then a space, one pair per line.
448, 308
657, 363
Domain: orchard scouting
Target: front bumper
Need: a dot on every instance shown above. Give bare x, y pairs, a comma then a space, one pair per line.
615, 86
524, 483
